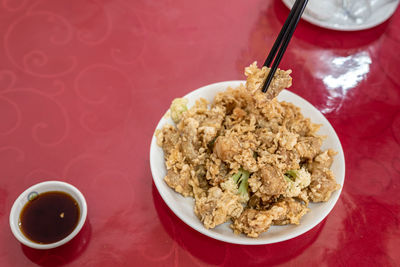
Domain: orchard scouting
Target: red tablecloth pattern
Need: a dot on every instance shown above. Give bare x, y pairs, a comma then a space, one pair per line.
83, 84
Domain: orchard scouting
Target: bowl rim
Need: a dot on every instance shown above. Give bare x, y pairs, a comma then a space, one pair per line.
22, 198
221, 237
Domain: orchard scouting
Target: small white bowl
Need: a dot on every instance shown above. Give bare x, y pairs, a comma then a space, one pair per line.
183, 207
38, 189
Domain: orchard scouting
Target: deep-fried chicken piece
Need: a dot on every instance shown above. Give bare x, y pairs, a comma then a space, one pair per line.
218, 207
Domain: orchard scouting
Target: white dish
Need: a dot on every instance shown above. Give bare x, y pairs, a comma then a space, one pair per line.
332, 16
183, 207
38, 189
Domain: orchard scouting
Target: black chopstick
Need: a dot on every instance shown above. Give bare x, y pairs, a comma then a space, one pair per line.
283, 40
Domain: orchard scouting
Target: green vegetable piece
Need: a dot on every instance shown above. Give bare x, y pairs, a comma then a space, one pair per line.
241, 178
291, 174
178, 107
237, 176
288, 179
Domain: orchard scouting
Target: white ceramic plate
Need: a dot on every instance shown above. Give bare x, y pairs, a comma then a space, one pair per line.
329, 14
183, 207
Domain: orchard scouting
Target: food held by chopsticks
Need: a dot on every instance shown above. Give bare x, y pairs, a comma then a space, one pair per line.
247, 158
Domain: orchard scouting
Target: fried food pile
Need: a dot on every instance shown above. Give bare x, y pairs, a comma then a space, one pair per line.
247, 158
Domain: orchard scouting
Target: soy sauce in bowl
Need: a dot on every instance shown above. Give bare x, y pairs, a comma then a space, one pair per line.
49, 217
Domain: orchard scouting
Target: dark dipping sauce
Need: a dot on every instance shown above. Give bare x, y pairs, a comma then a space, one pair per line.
49, 217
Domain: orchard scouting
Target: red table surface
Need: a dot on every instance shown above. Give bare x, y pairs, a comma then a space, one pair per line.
84, 83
